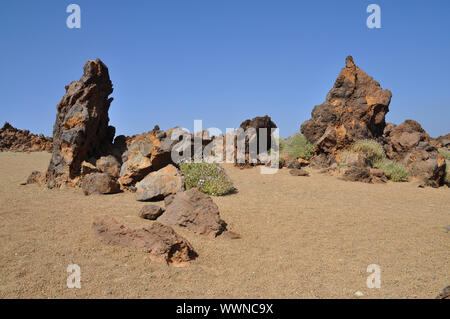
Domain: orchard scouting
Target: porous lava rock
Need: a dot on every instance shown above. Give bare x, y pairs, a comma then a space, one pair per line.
162, 243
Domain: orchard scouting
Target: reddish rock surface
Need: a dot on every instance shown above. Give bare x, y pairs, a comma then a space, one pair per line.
150, 211
160, 184
81, 129
13, 139
409, 144
99, 183
162, 243
354, 109
146, 153
196, 211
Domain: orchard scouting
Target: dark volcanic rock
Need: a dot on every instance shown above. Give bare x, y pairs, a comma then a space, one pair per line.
162, 243
257, 123
354, 109
150, 211
99, 183
196, 211
81, 128
13, 139
409, 144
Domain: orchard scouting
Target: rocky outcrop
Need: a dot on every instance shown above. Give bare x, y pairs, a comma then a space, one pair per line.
99, 183
162, 243
81, 129
441, 141
354, 109
409, 144
160, 184
194, 210
146, 153
15, 140
252, 129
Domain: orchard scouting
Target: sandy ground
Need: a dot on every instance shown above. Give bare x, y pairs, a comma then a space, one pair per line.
302, 237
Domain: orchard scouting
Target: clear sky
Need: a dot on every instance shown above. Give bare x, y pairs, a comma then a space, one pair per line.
223, 61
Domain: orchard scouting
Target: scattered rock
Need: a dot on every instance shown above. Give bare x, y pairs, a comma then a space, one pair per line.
257, 123
289, 161
445, 294
196, 211
409, 144
378, 175
99, 183
160, 184
146, 153
108, 164
354, 109
357, 174
81, 128
298, 172
151, 212
15, 140
162, 243
36, 177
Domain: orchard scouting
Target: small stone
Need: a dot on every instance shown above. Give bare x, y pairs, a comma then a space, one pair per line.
151, 212
359, 294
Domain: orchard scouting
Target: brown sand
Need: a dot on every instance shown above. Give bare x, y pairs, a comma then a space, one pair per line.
302, 237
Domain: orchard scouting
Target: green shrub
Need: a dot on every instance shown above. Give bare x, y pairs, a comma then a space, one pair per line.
210, 178
445, 153
447, 173
372, 149
393, 171
297, 145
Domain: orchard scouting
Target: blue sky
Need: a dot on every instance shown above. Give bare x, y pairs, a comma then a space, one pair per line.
223, 61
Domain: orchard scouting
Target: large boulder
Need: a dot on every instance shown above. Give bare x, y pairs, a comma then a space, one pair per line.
409, 144
354, 109
99, 183
194, 210
108, 164
253, 130
146, 153
160, 184
81, 129
162, 243
13, 139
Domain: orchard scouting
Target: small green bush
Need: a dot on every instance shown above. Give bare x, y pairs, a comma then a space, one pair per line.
297, 145
445, 153
372, 149
210, 178
447, 173
393, 171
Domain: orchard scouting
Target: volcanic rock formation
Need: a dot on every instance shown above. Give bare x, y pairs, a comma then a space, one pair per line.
194, 210
409, 144
81, 128
354, 109
162, 243
13, 139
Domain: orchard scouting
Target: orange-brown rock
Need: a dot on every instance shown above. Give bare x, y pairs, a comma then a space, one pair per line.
409, 144
146, 153
159, 184
15, 140
81, 129
194, 210
162, 243
354, 109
